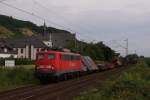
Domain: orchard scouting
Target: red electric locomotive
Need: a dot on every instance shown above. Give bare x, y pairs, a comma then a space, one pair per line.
52, 64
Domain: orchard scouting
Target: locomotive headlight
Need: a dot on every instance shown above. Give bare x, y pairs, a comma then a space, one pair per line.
52, 68
49, 66
41, 66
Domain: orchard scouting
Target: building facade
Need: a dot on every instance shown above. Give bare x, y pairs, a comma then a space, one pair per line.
6, 50
23, 48
27, 47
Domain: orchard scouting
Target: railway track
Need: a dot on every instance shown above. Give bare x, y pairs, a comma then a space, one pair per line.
65, 90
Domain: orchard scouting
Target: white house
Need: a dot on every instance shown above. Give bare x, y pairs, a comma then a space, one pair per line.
6, 50
21, 48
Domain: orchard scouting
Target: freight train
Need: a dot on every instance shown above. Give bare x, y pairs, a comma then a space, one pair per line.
56, 65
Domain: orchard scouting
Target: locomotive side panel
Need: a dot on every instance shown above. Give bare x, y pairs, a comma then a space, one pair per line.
69, 63
53, 64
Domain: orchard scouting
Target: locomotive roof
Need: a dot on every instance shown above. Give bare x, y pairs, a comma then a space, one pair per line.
59, 52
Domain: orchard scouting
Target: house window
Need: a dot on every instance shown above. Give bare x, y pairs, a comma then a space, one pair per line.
14, 49
5, 49
38, 50
21, 50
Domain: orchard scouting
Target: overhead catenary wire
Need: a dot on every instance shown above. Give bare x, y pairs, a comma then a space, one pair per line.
2, 0
62, 17
41, 18
24, 11
118, 45
32, 14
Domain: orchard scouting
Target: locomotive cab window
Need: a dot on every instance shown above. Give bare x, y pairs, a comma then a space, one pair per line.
70, 57
40, 56
74, 57
51, 56
65, 57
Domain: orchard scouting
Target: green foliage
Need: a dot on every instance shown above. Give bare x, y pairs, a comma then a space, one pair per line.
15, 77
24, 62
98, 51
134, 84
147, 60
18, 61
132, 58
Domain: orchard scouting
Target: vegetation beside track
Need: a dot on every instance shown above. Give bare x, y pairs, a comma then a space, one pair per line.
133, 84
11, 78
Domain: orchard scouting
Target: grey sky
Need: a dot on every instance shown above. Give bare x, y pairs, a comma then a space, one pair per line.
111, 21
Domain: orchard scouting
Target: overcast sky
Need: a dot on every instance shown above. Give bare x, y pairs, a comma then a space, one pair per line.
111, 21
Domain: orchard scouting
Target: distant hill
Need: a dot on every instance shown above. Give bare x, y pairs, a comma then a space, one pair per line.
11, 27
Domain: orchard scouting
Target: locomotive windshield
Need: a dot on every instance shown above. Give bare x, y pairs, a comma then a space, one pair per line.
51, 56
42, 56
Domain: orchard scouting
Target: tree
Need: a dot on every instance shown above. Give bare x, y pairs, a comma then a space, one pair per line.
97, 51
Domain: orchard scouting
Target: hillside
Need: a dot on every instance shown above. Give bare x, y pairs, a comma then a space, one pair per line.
4, 32
11, 27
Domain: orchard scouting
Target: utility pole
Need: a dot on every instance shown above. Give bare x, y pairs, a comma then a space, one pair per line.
81, 46
135, 52
75, 41
127, 47
50, 40
44, 28
50, 44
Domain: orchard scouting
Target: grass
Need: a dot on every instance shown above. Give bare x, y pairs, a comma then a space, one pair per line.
133, 84
100, 62
27, 66
16, 77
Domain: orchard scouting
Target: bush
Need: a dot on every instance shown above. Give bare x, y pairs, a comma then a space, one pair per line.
147, 60
18, 61
2, 62
24, 62
133, 84
14, 77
